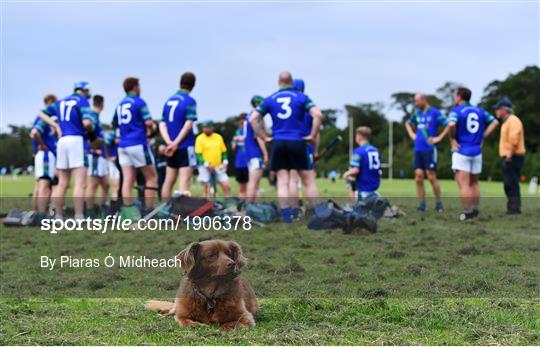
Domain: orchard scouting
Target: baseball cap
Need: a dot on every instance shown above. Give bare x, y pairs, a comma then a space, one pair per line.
81, 85
256, 100
503, 102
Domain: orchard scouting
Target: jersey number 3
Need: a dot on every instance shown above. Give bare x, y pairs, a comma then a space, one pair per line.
285, 103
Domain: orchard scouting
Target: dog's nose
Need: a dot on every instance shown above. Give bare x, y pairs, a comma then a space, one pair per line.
230, 263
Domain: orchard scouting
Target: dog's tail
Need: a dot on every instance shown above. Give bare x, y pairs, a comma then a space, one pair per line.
163, 307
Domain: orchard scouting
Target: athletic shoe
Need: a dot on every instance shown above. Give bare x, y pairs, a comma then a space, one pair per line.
422, 207
91, 213
468, 214
296, 213
286, 216
439, 207
38, 217
513, 212
130, 212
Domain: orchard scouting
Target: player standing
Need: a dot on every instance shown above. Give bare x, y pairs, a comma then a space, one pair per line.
98, 169
467, 132
134, 122
212, 158
256, 154
427, 120
176, 127
44, 143
295, 183
111, 153
240, 159
289, 148
75, 122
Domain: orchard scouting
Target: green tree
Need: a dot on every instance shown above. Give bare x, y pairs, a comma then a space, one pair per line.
16, 147
523, 89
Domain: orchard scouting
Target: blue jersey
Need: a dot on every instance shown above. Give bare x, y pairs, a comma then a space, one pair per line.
130, 117
110, 143
70, 111
471, 123
308, 123
288, 110
367, 159
178, 109
97, 128
240, 157
34, 142
251, 145
47, 135
427, 125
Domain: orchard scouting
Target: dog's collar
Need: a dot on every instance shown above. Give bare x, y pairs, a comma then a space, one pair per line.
209, 301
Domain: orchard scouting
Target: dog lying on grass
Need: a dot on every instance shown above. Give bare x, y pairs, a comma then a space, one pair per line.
212, 291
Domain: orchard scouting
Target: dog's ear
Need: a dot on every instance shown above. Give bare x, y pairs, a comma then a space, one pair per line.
237, 255
188, 257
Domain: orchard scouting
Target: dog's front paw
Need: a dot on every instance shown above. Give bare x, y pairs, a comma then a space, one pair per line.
186, 322
246, 322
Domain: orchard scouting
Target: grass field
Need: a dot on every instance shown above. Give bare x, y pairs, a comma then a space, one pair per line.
423, 279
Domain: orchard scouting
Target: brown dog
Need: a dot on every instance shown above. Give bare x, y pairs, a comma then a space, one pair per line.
212, 290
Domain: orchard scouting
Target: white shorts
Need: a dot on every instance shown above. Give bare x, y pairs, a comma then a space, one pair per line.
204, 175
114, 173
464, 163
70, 152
255, 164
44, 165
136, 156
97, 166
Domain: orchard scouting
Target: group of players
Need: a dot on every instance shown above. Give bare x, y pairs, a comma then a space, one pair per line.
467, 126
69, 141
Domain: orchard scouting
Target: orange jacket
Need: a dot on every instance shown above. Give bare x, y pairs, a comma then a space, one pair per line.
512, 141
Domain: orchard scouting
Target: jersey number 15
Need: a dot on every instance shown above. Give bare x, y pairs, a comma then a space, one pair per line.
124, 113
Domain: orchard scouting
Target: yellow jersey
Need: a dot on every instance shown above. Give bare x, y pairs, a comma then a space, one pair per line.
211, 148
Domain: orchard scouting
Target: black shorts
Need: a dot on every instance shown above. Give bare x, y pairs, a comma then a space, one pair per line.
242, 174
182, 157
289, 155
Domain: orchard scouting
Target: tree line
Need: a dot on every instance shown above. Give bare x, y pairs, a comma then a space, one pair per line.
523, 88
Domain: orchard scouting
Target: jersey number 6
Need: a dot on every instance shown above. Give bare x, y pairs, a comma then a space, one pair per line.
472, 123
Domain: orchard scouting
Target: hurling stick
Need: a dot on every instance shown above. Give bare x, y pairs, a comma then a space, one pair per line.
329, 147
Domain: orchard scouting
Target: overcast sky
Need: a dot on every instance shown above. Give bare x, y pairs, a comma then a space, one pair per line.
346, 52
